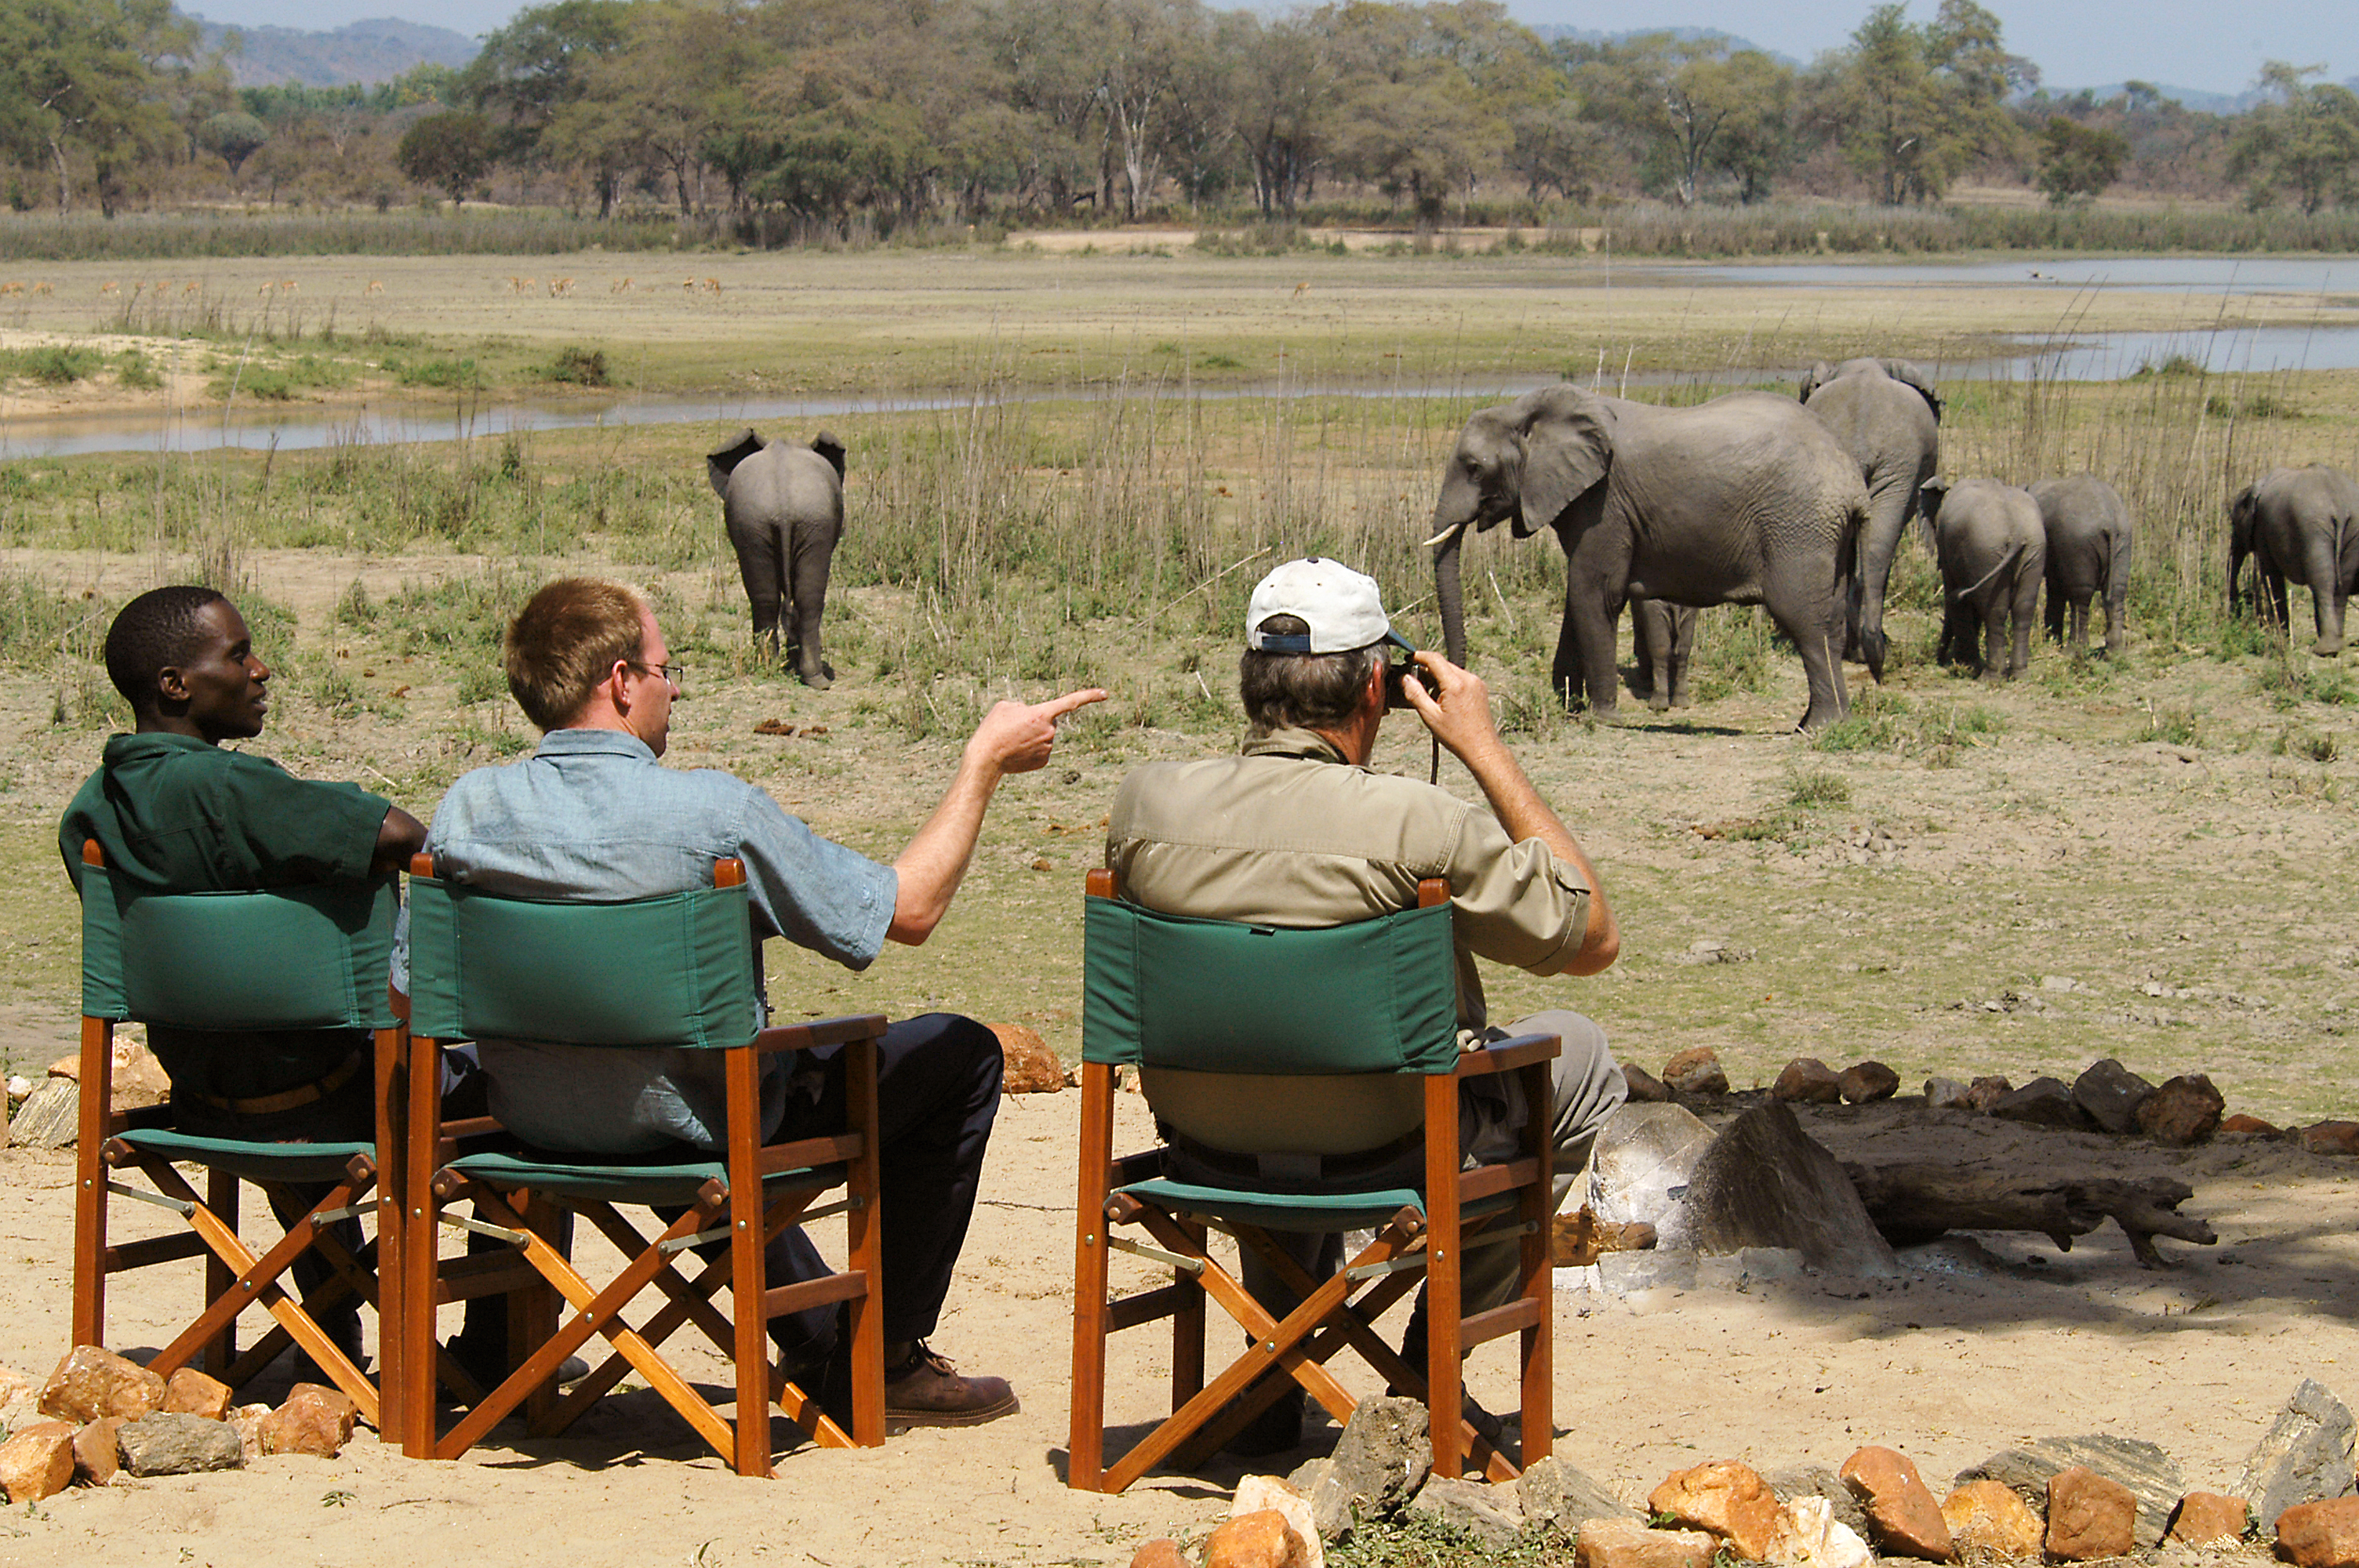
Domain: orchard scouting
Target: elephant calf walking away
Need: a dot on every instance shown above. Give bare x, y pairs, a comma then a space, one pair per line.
1992, 550
2300, 526
783, 505
2088, 533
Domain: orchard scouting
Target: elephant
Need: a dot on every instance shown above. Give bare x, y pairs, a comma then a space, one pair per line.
1743, 500
2089, 533
1993, 552
783, 505
1663, 636
1887, 416
2300, 525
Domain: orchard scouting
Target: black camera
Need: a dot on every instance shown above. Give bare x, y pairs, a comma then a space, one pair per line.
1394, 676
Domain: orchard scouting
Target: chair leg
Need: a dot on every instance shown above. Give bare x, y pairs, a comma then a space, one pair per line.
1188, 1328
222, 1197
90, 1187
1538, 1341
1085, 1442
1444, 1303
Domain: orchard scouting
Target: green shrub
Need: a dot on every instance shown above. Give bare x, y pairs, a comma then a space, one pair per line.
1812, 788
135, 371
582, 367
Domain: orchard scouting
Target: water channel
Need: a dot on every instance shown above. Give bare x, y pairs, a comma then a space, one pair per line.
2094, 356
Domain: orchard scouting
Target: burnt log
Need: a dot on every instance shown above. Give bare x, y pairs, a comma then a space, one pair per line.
1912, 1204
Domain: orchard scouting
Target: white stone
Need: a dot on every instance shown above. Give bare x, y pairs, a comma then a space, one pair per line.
1810, 1536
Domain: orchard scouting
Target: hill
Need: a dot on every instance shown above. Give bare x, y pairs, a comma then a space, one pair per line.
366, 52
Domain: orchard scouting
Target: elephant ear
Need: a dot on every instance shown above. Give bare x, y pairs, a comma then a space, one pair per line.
1568, 446
1816, 377
1908, 375
720, 465
1929, 496
826, 446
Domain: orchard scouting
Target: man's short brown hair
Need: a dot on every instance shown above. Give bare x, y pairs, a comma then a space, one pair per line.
1302, 691
154, 633
567, 638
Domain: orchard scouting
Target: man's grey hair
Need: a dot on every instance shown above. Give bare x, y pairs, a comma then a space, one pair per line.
1302, 691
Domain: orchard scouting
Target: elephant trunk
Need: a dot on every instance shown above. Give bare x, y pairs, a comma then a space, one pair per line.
1447, 593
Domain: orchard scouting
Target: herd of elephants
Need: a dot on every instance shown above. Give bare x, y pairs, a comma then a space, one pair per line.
1798, 505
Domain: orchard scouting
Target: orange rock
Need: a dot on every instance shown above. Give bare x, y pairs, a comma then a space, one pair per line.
1619, 1543
2321, 1535
189, 1393
1576, 1239
37, 1462
2089, 1515
1868, 1081
2183, 1112
1724, 1498
1696, 1071
2239, 1122
1030, 1068
1261, 1539
1986, 1092
92, 1382
2329, 1137
96, 1459
1808, 1081
1903, 1520
1162, 1553
2207, 1518
315, 1419
1988, 1515
138, 1079
1645, 1087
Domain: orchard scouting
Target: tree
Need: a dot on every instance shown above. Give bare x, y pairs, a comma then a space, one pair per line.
2078, 161
448, 151
539, 63
1913, 107
1700, 106
2305, 141
233, 136
94, 79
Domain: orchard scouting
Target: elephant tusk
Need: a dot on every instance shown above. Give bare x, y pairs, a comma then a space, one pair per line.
1447, 533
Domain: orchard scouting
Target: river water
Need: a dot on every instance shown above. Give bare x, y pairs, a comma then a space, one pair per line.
2330, 282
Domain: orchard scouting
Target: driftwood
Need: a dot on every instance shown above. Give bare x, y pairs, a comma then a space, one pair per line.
1915, 1202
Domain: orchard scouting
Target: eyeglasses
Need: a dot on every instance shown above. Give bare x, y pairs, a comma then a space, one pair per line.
675, 672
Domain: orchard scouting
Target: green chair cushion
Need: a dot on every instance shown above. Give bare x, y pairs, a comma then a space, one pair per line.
675, 970
250, 1162
1218, 996
1297, 1211
627, 1183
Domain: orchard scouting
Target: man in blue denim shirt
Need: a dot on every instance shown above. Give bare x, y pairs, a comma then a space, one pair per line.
591, 814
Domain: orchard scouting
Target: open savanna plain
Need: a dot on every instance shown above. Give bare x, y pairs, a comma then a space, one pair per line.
1068, 469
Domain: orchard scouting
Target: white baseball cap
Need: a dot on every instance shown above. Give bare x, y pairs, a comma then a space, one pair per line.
1343, 608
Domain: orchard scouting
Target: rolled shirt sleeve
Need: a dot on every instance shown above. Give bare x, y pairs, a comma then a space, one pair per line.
1517, 903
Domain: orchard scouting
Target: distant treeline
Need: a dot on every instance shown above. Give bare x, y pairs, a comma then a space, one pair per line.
781, 121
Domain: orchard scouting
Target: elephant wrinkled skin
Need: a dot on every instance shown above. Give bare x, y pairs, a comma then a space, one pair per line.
2300, 526
783, 505
2089, 534
1743, 500
1887, 416
1993, 551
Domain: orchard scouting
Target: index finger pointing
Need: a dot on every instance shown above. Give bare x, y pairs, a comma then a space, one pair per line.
1057, 707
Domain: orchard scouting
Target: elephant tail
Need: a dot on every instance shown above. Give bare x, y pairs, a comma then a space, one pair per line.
2005, 562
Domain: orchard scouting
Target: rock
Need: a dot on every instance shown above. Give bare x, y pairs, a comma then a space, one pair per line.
1258, 1494
2089, 1516
2320, 1137
1643, 1153
1579, 1239
2111, 1094
1947, 1094
1162, 1553
162, 1445
2043, 1102
1645, 1087
1031, 1069
2304, 1456
1809, 1080
1695, 1071
1810, 1536
96, 1458
37, 1462
1378, 1464
2143, 1468
14, 1386
1254, 1540
1763, 1183
93, 1381
1805, 1481
2321, 1534
1492, 1515
1867, 1081
2207, 1518
1986, 1092
315, 1419
1627, 1273
1553, 1492
1903, 1520
1987, 1516
49, 1118
246, 1421
136, 1082
2239, 1122
2184, 1112
189, 1393
1724, 1498
1617, 1543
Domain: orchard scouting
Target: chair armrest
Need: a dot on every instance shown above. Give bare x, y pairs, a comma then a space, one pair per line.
821, 1031
1507, 1056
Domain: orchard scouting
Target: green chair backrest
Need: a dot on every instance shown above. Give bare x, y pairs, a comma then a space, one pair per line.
674, 970
1218, 996
296, 957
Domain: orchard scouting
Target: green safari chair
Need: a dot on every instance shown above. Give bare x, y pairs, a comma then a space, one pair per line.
309, 958
1378, 996
678, 971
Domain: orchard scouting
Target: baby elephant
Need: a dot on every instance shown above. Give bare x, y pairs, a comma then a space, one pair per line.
1993, 552
784, 508
2088, 553
1663, 637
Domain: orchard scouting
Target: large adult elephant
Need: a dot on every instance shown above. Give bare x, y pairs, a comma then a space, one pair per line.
1993, 553
1743, 500
2302, 525
1888, 418
2089, 537
783, 504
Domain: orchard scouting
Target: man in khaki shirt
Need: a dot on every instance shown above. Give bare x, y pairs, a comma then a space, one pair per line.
1295, 830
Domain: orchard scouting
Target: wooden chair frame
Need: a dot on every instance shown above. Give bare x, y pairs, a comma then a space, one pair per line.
1414, 1244
743, 1207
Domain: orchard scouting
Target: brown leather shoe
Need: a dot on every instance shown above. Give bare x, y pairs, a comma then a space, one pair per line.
926, 1390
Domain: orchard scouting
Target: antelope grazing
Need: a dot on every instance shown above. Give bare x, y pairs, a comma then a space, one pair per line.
559, 287
712, 285
43, 288
109, 287
373, 287
191, 286
1303, 289
11, 289
620, 286
285, 286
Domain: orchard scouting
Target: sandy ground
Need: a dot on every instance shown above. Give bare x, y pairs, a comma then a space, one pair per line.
1969, 1352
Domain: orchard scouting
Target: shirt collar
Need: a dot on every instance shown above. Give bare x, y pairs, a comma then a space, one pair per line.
152, 742
1304, 744
594, 743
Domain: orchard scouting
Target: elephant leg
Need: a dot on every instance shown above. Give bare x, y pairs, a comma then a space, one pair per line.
1819, 636
1584, 648
760, 567
2326, 590
1950, 649
2026, 615
1994, 636
2117, 598
1653, 622
814, 554
1683, 636
2279, 616
2056, 604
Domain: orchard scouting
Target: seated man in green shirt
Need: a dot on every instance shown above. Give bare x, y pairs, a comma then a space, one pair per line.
174, 811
